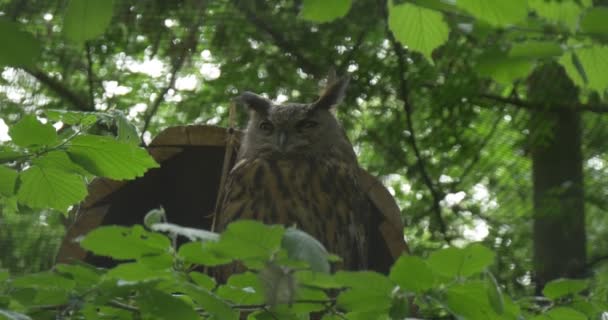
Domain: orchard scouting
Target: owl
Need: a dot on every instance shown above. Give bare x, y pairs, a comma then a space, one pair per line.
296, 166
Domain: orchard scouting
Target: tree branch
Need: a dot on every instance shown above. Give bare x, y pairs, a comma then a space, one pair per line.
523, 104
189, 43
278, 39
403, 91
60, 89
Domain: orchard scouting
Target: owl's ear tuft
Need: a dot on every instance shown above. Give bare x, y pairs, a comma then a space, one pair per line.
255, 102
333, 93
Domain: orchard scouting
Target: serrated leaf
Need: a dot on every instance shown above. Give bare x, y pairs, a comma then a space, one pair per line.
159, 305
109, 241
87, 19
562, 287
594, 21
418, 28
42, 187
497, 12
412, 274
565, 13
31, 132
71, 117
19, 48
8, 179
106, 157
302, 246
324, 11
317, 280
453, 262
594, 61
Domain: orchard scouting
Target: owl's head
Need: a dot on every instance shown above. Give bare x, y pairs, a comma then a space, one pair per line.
295, 129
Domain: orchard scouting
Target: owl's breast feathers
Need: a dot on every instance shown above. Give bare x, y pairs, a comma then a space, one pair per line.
320, 196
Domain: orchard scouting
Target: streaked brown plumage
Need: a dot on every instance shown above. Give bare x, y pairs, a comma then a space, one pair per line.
296, 167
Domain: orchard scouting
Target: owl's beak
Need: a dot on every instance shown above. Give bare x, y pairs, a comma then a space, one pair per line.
282, 140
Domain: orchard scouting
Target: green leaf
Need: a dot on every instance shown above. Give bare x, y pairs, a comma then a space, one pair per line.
8, 178
497, 12
159, 305
87, 19
302, 246
535, 49
324, 11
369, 291
42, 187
137, 272
247, 239
11, 315
498, 65
564, 313
594, 21
127, 132
202, 280
470, 301
563, 13
61, 161
317, 280
4, 275
242, 288
71, 117
43, 280
110, 241
594, 62
203, 253
31, 132
19, 48
85, 276
418, 28
412, 274
454, 262
8, 154
562, 287
106, 157
210, 302
495, 294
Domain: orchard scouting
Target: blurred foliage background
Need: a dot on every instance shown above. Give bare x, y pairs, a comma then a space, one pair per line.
447, 103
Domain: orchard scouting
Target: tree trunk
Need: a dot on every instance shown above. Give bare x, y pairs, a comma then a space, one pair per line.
559, 216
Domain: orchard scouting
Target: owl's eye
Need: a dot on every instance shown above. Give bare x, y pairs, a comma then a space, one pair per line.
266, 126
307, 124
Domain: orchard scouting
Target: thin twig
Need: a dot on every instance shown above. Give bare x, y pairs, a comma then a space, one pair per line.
90, 76
401, 53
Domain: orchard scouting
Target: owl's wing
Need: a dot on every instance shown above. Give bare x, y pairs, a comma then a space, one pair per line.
386, 241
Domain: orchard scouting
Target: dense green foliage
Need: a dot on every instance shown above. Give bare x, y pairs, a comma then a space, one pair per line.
439, 107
